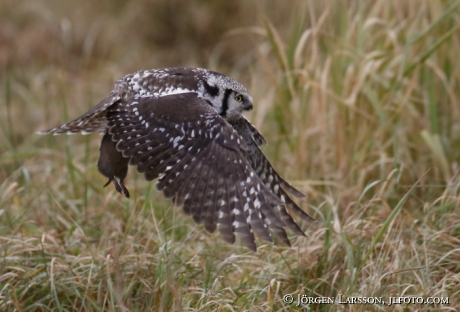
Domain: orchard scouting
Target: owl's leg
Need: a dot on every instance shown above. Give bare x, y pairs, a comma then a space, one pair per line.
108, 182
117, 186
121, 174
123, 190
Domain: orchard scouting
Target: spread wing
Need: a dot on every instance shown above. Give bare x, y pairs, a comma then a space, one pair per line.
199, 159
268, 175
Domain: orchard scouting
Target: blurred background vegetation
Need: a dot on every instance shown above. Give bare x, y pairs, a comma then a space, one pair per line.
359, 101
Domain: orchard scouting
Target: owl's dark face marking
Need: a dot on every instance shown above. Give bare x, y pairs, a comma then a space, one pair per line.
233, 104
211, 90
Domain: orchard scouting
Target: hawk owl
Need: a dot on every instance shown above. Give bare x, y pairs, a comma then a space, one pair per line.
185, 126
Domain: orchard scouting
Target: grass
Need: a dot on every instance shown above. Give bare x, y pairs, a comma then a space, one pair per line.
358, 101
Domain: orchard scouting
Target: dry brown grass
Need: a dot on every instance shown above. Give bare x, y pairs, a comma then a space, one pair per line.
359, 101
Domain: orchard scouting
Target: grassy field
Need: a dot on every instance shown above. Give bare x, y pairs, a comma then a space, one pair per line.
360, 104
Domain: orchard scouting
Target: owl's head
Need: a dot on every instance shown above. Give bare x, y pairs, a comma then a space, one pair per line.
227, 96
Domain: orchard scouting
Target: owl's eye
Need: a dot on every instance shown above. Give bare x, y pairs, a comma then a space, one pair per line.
239, 98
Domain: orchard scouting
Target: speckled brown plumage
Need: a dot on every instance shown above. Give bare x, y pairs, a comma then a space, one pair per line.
185, 127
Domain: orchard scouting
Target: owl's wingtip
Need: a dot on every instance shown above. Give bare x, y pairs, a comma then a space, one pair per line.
54, 131
44, 132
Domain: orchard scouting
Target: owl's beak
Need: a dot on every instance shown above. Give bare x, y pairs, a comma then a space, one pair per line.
247, 104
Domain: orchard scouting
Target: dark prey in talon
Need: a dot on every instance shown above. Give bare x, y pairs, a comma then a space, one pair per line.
112, 164
185, 126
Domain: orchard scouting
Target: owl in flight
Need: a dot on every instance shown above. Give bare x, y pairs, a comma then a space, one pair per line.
186, 127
